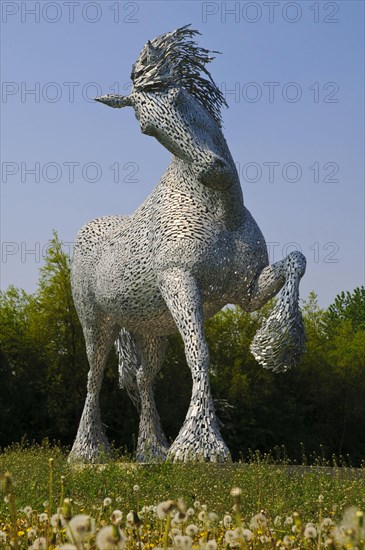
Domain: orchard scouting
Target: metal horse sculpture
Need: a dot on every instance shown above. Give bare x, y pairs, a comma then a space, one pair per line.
191, 248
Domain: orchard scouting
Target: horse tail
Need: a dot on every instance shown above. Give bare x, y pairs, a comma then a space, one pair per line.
280, 342
128, 364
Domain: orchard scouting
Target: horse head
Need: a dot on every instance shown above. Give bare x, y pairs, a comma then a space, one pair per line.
173, 95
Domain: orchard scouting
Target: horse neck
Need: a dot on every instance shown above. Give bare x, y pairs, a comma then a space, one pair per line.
228, 200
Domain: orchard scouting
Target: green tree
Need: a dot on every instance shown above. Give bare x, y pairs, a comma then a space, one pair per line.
23, 370
59, 334
345, 343
347, 306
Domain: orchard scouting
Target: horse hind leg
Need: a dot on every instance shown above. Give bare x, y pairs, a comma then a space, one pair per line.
128, 364
140, 359
280, 341
91, 442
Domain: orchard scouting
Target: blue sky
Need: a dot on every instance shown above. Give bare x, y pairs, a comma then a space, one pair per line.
295, 124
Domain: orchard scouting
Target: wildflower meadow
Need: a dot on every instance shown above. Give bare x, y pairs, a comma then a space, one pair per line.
47, 503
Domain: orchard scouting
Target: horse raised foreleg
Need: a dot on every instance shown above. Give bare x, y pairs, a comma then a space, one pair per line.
152, 443
199, 437
91, 443
280, 341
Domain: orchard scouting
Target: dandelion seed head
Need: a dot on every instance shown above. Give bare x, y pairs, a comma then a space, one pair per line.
326, 523
258, 521
288, 541
116, 517
130, 519
179, 517
165, 507
110, 538
227, 520
43, 517
247, 534
277, 521
107, 502
191, 530
80, 528
229, 536
236, 492
31, 533
161, 510
182, 541
310, 532
57, 520
136, 488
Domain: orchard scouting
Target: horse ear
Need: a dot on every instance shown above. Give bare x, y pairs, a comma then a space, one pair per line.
151, 53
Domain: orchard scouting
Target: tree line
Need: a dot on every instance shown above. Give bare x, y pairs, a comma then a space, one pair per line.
318, 406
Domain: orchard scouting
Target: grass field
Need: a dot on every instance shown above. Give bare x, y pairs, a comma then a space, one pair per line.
260, 504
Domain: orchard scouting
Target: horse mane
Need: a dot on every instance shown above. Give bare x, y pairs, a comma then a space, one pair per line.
174, 59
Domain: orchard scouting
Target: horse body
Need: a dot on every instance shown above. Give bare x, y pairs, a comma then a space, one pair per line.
189, 249
176, 226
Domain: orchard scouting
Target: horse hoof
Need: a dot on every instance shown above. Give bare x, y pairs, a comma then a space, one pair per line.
152, 454
208, 447
86, 453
